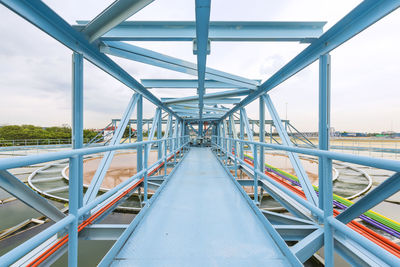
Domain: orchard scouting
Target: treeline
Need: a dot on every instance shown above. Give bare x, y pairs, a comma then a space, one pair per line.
28, 132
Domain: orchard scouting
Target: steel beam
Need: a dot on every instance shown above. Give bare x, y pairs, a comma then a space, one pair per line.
294, 158
40, 15
152, 133
150, 57
224, 94
243, 31
282, 219
386, 189
262, 133
159, 136
305, 248
139, 132
18, 189
201, 42
105, 163
113, 15
324, 118
77, 116
185, 84
103, 231
364, 15
295, 233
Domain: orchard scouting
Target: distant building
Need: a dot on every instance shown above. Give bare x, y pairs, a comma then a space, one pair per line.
353, 134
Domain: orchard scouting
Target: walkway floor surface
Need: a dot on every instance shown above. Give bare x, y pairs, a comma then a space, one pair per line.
200, 219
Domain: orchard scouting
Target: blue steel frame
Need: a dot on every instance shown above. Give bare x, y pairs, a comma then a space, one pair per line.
104, 35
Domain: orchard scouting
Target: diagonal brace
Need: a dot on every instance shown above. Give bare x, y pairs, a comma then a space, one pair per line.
108, 156
18, 189
389, 187
294, 159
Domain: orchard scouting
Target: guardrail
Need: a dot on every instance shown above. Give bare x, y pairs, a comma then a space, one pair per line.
75, 214
229, 147
37, 142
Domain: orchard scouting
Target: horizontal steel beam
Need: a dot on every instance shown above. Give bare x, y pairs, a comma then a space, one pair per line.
40, 15
223, 94
150, 57
360, 18
113, 15
265, 31
171, 83
194, 106
103, 231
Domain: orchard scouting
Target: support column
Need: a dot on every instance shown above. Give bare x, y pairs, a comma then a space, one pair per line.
325, 164
139, 126
262, 133
241, 135
159, 136
324, 117
77, 117
73, 210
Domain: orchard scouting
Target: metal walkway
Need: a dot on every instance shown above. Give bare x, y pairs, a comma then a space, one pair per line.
200, 218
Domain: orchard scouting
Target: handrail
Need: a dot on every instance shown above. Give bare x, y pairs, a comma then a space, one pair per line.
9, 163
386, 164
326, 214
16, 253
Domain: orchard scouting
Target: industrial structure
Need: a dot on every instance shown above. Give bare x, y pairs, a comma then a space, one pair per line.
200, 214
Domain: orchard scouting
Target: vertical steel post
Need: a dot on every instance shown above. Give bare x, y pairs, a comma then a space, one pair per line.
130, 130
255, 162
73, 209
77, 117
324, 116
159, 136
241, 135
236, 165
325, 164
166, 156
139, 121
262, 133
145, 158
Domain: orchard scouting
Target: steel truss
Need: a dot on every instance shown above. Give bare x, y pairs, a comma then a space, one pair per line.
312, 225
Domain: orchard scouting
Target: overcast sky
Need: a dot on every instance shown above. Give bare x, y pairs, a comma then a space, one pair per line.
35, 70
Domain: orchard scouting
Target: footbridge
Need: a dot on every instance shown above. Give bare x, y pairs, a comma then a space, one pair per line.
201, 177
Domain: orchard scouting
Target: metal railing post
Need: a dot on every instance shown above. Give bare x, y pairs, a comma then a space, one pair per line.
166, 157
145, 159
255, 160
236, 166
73, 209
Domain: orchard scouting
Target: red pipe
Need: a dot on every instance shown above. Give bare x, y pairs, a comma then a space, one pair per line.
356, 226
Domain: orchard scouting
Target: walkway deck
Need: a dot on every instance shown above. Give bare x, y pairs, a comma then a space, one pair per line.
200, 219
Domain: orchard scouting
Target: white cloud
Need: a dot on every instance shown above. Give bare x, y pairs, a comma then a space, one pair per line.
35, 73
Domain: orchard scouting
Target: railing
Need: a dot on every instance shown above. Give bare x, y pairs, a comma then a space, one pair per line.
231, 150
75, 214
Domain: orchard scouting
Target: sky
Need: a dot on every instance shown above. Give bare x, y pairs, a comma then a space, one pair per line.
35, 70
